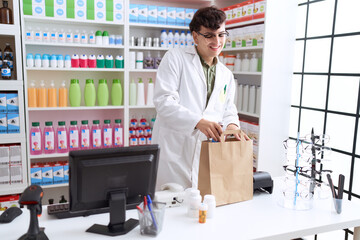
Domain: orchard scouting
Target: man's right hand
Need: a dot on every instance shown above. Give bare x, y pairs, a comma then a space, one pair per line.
210, 129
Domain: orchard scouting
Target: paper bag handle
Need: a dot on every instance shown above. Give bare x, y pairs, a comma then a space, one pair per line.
227, 132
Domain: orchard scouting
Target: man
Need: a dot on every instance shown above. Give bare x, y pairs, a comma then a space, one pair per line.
193, 96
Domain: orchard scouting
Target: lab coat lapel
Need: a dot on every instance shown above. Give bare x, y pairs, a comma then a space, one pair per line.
197, 63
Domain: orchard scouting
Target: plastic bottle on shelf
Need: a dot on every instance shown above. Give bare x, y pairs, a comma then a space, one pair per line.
157, 60
132, 88
69, 37
147, 131
83, 61
148, 139
54, 35
75, 93
100, 61
141, 140
163, 39
152, 122
133, 122
63, 95
74, 136
6, 14
109, 61
150, 93
46, 35
85, 135
49, 138
253, 63
37, 60
245, 63
176, 39
112, 40
133, 140
76, 37
237, 63
103, 93
29, 34
139, 60
53, 61
189, 39
139, 131
62, 38
6, 70
116, 93
118, 133
41, 93
38, 35
119, 61
92, 61
45, 62
143, 122
170, 39
32, 96
98, 38
84, 37
52, 98
105, 38
107, 134
90, 93
35, 139
92, 37
60, 61
148, 61
182, 39
259, 65
75, 61
96, 134
62, 138
67, 61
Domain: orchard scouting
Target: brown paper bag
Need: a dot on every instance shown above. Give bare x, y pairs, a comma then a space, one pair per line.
226, 169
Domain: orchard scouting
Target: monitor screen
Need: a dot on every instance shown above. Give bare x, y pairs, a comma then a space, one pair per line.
117, 178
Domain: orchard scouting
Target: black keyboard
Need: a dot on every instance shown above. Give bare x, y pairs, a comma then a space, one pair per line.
62, 210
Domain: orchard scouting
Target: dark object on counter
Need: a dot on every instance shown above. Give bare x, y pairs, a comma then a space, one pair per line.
263, 181
10, 214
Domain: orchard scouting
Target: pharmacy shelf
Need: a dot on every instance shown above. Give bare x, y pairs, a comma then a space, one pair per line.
247, 73
149, 48
6, 85
9, 30
12, 138
143, 70
68, 21
75, 69
53, 155
55, 185
162, 26
141, 107
243, 49
12, 189
75, 108
73, 45
240, 24
249, 114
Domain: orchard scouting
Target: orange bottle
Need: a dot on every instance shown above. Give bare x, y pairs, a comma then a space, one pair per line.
32, 96
41, 92
63, 96
52, 99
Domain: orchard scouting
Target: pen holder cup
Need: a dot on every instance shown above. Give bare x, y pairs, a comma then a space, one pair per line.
151, 221
338, 205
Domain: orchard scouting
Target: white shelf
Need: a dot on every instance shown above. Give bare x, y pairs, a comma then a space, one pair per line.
143, 70
240, 24
11, 85
247, 73
242, 49
12, 189
149, 25
141, 107
76, 69
55, 185
149, 48
9, 30
12, 138
68, 21
75, 108
53, 155
73, 45
249, 114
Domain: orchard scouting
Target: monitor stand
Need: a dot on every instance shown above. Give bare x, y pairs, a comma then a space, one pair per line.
117, 225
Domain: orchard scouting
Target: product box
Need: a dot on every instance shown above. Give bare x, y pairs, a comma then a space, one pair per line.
15, 154
228, 13
80, 9
4, 174
189, 14
38, 8
60, 8
12, 103
36, 174
171, 16
247, 10
259, 9
100, 10
66, 172
3, 108
162, 15
142, 13
253, 132
134, 13
118, 11
3, 123
8, 201
119, 17
58, 172
4, 155
47, 174
16, 176
13, 123
152, 14
244, 126
180, 16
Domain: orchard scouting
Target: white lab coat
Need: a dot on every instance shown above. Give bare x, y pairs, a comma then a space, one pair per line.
180, 99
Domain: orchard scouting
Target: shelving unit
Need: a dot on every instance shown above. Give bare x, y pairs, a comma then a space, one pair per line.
74, 69
77, 45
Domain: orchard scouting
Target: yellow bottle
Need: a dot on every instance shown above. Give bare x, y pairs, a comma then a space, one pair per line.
42, 95
63, 96
32, 96
52, 99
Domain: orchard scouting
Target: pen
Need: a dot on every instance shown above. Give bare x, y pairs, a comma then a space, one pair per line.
140, 210
331, 185
151, 212
225, 88
341, 186
145, 202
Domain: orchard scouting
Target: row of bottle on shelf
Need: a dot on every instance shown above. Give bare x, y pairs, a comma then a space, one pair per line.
244, 64
49, 173
70, 36
176, 40
247, 98
75, 61
246, 36
48, 97
10, 164
6, 62
137, 60
251, 129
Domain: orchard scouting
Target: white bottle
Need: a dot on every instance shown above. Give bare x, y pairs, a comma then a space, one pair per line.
245, 102
210, 201
150, 93
132, 89
252, 99
84, 37
54, 36
163, 39
60, 61
182, 39
46, 35
194, 203
62, 38
170, 39
176, 39
38, 35
140, 93
92, 37
189, 40
237, 63
139, 60
77, 37
69, 37
253, 63
29, 34
245, 63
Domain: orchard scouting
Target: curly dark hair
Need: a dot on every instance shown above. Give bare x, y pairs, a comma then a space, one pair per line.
208, 17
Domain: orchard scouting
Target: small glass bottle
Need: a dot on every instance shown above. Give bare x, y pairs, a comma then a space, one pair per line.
6, 14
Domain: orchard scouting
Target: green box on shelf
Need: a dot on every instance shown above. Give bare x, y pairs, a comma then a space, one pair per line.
49, 8
90, 10
70, 8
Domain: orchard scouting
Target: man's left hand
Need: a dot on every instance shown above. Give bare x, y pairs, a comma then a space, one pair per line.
232, 126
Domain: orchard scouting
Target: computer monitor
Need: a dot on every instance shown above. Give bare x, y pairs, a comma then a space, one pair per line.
114, 177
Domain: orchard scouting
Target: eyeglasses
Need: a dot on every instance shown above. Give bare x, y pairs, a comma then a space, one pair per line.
290, 194
302, 169
211, 35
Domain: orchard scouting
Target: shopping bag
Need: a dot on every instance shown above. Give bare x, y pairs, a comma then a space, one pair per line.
226, 169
